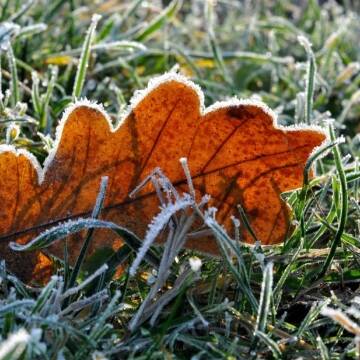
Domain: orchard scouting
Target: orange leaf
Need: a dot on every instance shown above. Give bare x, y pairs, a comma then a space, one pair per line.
235, 151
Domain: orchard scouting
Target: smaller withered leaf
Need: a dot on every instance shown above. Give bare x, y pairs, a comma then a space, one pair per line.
235, 150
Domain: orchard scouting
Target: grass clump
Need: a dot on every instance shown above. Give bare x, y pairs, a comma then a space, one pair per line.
297, 300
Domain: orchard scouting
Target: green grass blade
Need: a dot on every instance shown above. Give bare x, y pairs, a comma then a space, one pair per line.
84, 58
95, 214
159, 21
265, 298
310, 317
343, 211
271, 344
15, 89
310, 78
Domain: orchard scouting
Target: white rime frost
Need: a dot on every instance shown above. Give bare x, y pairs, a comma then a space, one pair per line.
135, 100
15, 344
157, 224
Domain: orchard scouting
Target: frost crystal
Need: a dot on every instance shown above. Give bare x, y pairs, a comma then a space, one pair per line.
195, 263
157, 224
14, 345
7, 30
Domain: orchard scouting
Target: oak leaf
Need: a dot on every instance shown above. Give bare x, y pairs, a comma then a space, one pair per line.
236, 153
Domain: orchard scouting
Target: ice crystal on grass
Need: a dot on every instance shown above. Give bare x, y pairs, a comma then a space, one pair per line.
178, 214
341, 318
14, 345
347, 317
157, 225
7, 31
195, 263
51, 311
